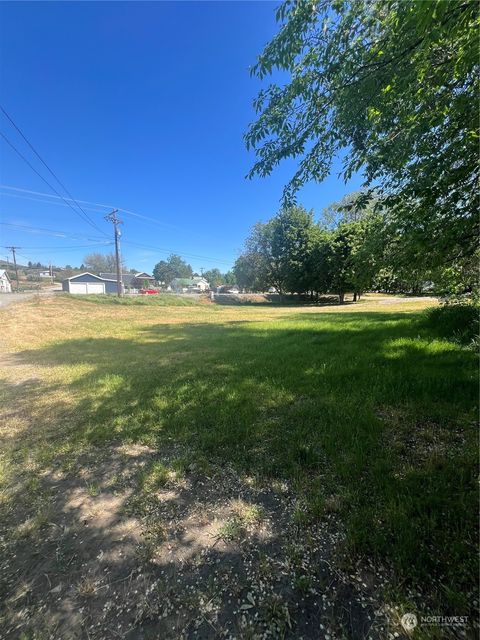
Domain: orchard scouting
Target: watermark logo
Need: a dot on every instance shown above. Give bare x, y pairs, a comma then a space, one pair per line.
409, 621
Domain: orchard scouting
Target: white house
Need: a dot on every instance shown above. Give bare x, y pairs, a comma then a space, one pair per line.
5, 283
201, 284
189, 285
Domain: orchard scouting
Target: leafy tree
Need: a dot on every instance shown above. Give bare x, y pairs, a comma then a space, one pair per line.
163, 273
319, 262
229, 277
214, 277
278, 250
290, 237
250, 271
353, 207
393, 86
100, 263
173, 267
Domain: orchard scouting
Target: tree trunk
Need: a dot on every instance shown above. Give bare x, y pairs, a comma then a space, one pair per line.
341, 297
354, 296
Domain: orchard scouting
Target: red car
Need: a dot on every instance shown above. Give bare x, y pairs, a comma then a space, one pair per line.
148, 292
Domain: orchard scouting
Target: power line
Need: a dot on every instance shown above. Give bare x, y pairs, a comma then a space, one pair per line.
87, 217
75, 246
52, 232
49, 195
135, 244
128, 212
56, 202
185, 255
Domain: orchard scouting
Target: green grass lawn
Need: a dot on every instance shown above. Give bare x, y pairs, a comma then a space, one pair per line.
154, 300
367, 412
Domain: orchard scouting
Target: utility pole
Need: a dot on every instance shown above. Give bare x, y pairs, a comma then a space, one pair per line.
112, 217
13, 249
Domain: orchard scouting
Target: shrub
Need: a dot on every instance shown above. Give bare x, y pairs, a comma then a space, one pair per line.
458, 322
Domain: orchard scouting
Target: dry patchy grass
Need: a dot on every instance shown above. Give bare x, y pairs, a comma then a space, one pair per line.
258, 471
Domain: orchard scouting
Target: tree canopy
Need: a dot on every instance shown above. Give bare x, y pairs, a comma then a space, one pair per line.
391, 86
173, 267
100, 262
357, 253
214, 277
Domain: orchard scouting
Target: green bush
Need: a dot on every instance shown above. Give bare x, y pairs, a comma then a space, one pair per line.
457, 322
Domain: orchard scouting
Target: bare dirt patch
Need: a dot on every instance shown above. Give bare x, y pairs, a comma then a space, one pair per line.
206, 554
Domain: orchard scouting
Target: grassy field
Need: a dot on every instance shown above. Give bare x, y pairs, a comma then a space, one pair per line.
324, 459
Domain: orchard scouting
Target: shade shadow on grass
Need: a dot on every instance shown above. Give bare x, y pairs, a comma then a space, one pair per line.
365, 411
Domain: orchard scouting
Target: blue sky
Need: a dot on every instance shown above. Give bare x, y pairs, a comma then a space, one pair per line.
141, 106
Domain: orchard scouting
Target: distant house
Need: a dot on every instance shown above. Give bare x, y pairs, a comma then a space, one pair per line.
89, 283
45, 274
5, 283
132, 280
189, 285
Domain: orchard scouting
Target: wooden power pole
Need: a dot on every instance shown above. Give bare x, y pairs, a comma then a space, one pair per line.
112, 217
13, 249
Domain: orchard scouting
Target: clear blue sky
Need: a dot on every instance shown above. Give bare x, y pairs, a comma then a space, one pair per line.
141, 106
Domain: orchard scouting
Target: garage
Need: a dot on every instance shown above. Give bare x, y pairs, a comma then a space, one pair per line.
87, 287
89, 284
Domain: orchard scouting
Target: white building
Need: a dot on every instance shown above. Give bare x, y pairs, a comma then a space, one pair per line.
5, 283
189, 285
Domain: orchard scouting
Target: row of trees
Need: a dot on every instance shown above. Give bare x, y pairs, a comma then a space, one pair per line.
356, 247
175, 267
391, 87
164, 271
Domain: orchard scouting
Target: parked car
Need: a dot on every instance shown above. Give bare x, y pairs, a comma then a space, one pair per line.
148, 292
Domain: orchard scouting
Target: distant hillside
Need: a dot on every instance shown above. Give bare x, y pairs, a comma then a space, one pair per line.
9, 265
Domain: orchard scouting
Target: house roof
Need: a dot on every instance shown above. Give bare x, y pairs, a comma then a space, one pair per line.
87, 273
4, 274
188, 282
127, 277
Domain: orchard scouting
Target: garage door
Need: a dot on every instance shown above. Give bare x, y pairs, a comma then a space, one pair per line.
95, 287
87, 287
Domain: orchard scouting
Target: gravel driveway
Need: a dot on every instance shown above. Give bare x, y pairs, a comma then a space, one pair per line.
11, 298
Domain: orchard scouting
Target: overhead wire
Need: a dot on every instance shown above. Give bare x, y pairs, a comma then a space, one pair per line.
185, 255
46, 181
86, 216
128, 212
52, 232
56, 202
66, 234
84, 246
